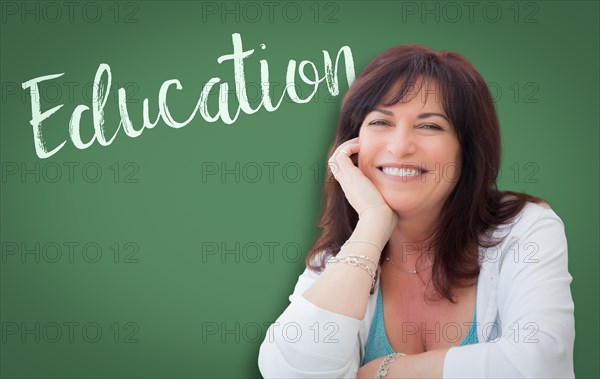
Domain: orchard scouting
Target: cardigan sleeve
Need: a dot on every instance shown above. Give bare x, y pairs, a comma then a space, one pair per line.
535, 309
307, 341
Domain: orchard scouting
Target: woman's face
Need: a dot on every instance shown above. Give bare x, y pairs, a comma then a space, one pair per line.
400, 141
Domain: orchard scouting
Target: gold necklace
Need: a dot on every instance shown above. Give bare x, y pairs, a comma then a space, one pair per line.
413, 272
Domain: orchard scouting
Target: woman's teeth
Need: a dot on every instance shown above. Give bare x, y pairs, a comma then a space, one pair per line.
401, 171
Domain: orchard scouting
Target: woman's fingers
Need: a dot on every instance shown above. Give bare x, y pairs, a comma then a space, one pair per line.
340, 162
349, 147
359, 190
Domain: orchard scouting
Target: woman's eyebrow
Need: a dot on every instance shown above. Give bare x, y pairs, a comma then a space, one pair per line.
431, 114
384, 111
420, 116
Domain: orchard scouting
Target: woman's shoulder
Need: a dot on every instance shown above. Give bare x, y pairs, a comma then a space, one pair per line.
532, 214
535, 230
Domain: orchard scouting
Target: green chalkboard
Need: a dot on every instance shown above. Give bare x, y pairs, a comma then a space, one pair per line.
148, 230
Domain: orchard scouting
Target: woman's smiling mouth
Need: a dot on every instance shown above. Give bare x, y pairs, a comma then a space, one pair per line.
402, 171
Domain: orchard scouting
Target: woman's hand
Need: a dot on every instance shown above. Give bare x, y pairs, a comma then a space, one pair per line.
359, 190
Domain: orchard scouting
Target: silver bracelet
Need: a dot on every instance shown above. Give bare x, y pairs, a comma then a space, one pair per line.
364, 257
383, 368
363, 241
354, 261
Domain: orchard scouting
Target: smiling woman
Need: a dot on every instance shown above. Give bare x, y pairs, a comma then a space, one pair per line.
417, 128
418, 271
306, 70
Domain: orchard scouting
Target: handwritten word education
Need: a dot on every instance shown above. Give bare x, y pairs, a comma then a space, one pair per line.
306, 70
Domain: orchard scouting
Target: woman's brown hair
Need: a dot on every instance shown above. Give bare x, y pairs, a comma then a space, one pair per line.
475, 207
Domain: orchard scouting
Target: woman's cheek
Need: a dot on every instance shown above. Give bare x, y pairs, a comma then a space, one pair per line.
356, 158
362, 165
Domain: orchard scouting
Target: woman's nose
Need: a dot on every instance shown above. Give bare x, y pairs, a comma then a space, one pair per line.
401, 141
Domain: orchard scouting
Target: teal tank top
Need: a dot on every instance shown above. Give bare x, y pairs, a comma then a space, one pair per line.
378, 345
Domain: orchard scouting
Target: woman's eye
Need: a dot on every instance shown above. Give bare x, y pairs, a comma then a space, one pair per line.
378, 122
431, 126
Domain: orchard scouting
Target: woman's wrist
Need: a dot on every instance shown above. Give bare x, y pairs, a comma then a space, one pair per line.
385, 365
379, 223
380, 209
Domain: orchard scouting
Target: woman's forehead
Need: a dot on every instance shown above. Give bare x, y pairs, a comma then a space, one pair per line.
422, 87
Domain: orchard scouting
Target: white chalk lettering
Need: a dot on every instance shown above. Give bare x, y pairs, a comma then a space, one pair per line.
306, 70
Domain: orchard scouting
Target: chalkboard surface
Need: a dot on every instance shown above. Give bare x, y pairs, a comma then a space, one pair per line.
162, 164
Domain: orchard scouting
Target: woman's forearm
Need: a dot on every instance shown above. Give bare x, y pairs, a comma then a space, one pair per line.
342, 288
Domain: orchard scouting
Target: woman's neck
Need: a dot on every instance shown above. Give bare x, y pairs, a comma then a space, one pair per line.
409, 245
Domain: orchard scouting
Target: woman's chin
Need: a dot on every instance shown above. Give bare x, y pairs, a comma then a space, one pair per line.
401, 206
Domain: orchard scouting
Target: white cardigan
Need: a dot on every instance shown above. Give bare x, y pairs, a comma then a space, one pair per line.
525, 315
